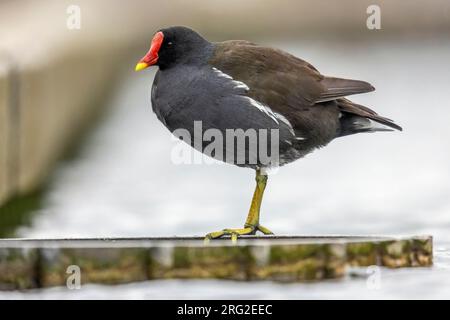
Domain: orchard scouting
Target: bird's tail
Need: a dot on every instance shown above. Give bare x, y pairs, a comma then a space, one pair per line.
357, 118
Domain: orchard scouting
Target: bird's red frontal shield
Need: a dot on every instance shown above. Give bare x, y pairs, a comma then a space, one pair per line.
152, 55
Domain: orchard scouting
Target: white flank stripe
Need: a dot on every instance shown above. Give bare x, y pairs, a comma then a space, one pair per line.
241, 85
221, 74
262, 108
286, 121
237, 84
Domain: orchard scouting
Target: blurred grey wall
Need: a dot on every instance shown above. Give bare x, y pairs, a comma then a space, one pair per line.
52, 78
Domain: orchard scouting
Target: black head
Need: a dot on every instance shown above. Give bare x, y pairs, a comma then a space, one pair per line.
173, 46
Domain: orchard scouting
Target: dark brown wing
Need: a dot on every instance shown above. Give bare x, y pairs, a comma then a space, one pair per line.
277, 78
337, 88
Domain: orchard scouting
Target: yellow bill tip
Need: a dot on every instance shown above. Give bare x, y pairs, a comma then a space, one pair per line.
141, 66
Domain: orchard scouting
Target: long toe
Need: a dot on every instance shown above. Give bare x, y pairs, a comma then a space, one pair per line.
233, 233
264, 230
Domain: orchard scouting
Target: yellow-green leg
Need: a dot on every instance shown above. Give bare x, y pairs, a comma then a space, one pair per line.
252, 223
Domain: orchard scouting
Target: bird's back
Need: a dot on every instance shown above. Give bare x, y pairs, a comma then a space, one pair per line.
239, 85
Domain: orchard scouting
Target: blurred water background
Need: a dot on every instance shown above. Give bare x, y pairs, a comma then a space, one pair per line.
122, 182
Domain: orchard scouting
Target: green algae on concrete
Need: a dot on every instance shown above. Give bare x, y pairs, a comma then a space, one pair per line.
44, 263
406, 253
19, 268
97, 265
362, 254
227, 262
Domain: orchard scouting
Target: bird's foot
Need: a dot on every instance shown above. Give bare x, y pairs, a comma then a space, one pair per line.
235, 233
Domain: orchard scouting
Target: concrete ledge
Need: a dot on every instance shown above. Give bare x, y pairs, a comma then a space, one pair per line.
28, 263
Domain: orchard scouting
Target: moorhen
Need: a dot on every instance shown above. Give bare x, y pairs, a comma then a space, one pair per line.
239, 86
